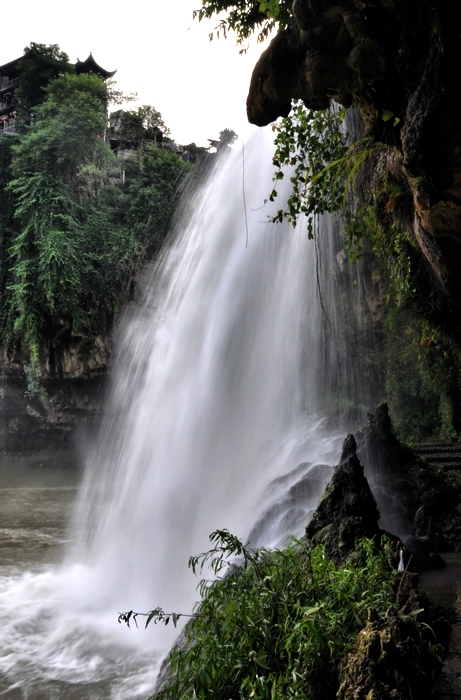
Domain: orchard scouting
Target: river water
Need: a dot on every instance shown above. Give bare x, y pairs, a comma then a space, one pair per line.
34, 513
78, 657
214, 420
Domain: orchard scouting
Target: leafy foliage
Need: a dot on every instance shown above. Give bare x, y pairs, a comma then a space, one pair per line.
276, 626
151, 192
46, 270
45, 260
326, 165
40, 65
143, 123
228, 136
7, 225
68, 131
245, 17
422, 369
70, 240
422, 380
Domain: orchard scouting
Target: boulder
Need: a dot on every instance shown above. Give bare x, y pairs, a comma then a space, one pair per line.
347, 511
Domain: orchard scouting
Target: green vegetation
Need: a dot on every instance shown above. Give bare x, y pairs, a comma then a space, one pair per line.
6, 223
145, 122
40, 65
357, 177
57, 165
246, 17
278, 625
72, 230
422, 379
422, 369
313, 144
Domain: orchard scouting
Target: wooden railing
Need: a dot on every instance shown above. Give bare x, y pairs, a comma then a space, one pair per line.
9, 84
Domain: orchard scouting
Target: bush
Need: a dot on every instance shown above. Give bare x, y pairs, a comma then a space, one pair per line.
276, 626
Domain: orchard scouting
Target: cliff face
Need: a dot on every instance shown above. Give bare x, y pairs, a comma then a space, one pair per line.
44, 427
397, 62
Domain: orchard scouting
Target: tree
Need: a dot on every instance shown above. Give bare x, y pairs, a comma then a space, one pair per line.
228, 137
145, 122
70, 128
39, 65
50, 170
152, 120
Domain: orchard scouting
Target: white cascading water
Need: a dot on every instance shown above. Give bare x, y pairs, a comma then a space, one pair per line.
213, 422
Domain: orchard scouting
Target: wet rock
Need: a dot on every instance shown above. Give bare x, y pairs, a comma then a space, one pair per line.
332, 51
415, 500
49, 425
271, 88
347, 511
396, 61
423, 554
288, 478
311, 485
387, 663
71, 377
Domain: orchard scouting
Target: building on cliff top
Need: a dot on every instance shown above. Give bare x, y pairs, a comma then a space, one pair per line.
9, 81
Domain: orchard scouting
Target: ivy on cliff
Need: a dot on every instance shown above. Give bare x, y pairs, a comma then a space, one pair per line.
422, 369
46, 252
71, 232
7, 224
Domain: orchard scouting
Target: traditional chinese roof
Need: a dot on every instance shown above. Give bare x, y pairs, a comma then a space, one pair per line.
90, 66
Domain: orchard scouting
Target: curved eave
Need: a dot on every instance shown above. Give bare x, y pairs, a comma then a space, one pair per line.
90, 66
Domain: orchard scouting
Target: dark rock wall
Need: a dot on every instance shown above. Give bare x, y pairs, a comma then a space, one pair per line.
347, 511
47, 426
398, 57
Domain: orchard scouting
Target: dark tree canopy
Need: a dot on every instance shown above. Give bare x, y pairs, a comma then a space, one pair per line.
228, 136
145, 122
38, 67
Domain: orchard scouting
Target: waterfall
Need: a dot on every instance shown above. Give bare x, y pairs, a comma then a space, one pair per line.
215, 419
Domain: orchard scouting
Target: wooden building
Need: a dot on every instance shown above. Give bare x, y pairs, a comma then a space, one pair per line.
9, 82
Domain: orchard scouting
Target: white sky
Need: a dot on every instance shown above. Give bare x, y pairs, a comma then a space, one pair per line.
200, 87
